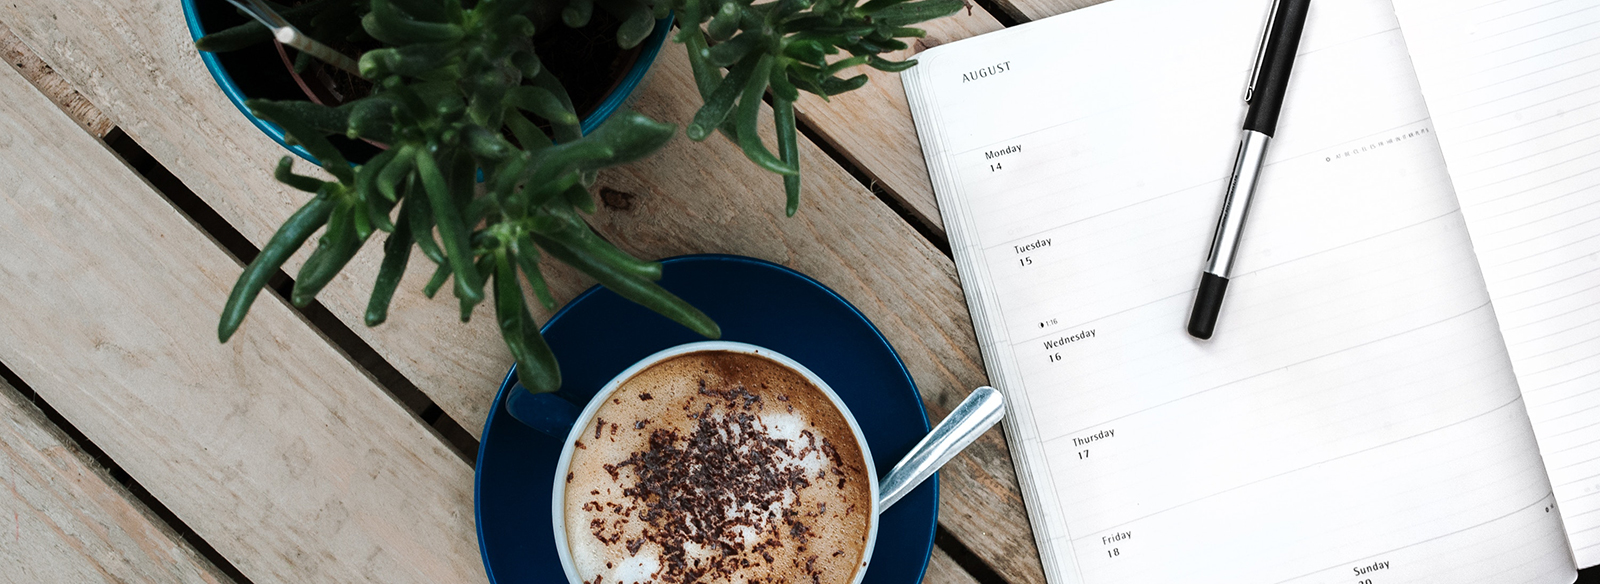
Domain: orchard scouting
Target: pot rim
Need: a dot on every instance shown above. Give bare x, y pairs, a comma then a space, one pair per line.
613, 100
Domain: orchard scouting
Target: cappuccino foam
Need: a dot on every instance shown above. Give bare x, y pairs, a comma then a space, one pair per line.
717, 466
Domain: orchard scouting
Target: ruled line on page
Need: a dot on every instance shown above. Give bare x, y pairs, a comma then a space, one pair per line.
1537, 55
1530, 73
1537, 22
1546, 101
1550, 386
1136, 174
1080, 431
1526, 122
1535, 503
1533, 40
1567, 380
1319, 463
1538, 170
1550, 300
1219, 179
1576, 191
1575, 447
1567, 276
1241, 275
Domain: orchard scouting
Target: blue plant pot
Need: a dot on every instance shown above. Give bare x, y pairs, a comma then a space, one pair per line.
608, 105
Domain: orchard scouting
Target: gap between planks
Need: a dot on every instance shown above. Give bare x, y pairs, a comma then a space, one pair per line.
1030, 10
314, 314
951, 562
912, 294
943, 566
45, 79
70, 471
850, 241
272, 475
81, 110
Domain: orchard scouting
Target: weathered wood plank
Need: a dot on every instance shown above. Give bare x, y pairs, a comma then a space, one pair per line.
943, 570
274, 447
1029, 10
69, 521
872, 126
705, 197
690, 198
168, 103
17, 53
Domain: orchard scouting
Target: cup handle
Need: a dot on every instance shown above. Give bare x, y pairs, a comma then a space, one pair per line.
548, 413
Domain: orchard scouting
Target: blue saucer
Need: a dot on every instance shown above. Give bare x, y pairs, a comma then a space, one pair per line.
599, 334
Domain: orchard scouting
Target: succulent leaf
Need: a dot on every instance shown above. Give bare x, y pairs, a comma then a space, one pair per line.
457, 88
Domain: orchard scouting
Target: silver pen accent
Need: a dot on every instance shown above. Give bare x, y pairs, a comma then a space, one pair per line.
1236, 203
1269, 82
1261, 50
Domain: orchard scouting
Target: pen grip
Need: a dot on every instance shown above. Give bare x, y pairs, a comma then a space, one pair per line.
1272, 80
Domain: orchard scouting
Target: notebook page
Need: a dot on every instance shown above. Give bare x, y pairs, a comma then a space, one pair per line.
1355, 416
1514, 86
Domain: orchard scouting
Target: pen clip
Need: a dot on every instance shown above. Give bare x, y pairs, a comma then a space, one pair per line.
1261, 51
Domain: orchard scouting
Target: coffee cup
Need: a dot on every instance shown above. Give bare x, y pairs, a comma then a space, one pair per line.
805, 510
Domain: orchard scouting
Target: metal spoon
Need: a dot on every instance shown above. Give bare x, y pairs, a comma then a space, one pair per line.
970, 420
287, 34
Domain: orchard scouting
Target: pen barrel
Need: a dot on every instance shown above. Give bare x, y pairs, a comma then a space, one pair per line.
1236, 202
1277, 59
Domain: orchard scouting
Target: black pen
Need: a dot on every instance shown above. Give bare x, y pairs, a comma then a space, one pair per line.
1268, 82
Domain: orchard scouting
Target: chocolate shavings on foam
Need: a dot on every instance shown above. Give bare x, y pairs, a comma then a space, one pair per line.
715, 487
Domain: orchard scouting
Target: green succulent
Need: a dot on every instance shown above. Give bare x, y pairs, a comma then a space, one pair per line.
785, 46
459, 93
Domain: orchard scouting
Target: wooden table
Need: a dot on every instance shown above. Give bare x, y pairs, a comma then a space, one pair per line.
134, 447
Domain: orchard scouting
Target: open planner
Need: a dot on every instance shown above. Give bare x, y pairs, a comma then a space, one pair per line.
1404, 385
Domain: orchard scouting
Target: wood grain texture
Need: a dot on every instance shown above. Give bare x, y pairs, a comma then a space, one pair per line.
17, 53
698, 198
871, 127
135, 60
690, 198
943, 570
63, 519
274, 448
1029, 10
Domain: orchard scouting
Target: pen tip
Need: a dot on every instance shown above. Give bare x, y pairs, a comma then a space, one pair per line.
1207, 305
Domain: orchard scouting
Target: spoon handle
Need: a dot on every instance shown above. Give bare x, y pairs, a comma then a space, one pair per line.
287, 34
969, 421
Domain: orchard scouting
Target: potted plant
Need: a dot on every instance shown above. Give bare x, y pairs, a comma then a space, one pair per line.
245, 62
459, 92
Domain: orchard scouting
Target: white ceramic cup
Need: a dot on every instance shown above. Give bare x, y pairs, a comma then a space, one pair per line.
558, 500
